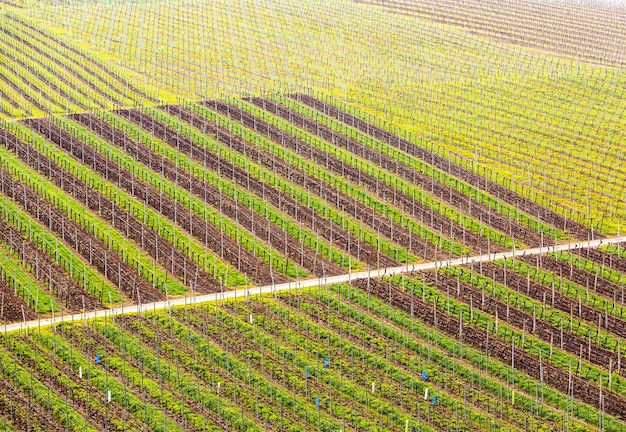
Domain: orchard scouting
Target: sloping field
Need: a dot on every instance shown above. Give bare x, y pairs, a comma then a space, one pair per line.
138, 204
544, 119
159, 149
467, 348
135, 205
590, 31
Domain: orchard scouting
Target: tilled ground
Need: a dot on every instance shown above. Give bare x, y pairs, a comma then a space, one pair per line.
481, 340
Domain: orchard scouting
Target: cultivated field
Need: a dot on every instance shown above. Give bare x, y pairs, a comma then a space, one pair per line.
206, 196
153, 150
540, 107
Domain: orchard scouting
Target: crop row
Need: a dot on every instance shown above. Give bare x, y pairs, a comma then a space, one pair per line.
44, 78
151, 187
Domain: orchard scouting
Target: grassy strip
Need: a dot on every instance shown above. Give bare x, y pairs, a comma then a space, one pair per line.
169, 231
23, 85
5, 425
99, 65
8, 107
236, 389
24, 285
545, 181
75, 63
256, 204
123, 368
186, 199
47, 367
615, 250
23, 107
422, 167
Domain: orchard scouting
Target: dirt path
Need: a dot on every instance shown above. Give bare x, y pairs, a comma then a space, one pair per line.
270, 289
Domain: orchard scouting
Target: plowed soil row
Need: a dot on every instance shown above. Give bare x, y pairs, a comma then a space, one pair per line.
107, 261
257, 224
501, 192
559, 301
11, 305
327, 229
330, 231
480, 339
525, 321
43, 267
454, 198
160, 249
579, 276
376, 221
190, 222
609, 260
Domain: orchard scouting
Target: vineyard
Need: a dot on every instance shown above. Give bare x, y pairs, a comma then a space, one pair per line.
156, 151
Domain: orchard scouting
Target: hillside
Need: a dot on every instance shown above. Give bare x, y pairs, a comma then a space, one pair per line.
156, 150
